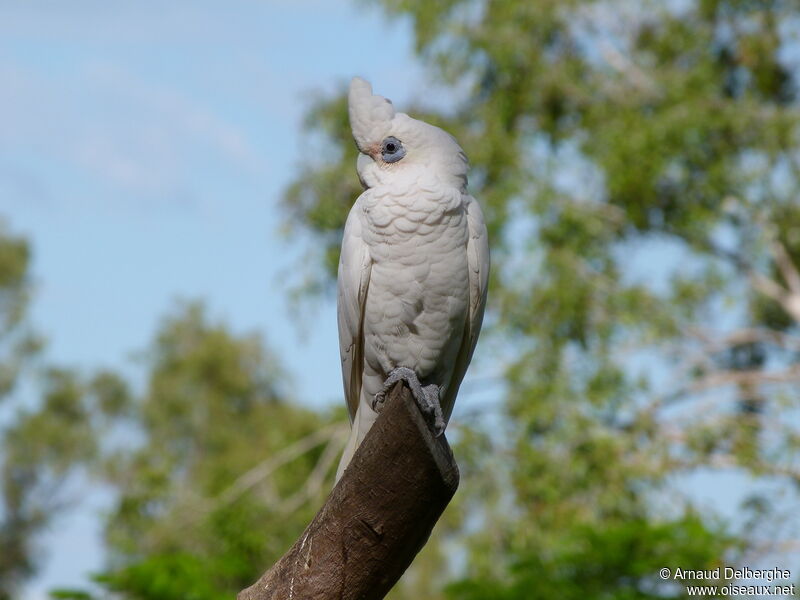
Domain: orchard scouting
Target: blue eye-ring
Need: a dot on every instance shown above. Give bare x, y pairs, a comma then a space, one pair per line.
392, 149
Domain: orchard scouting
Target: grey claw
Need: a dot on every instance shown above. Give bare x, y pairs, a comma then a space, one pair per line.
378, 401
427, 398
432, 395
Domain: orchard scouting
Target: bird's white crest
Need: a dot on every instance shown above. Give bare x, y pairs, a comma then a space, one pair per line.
370, 115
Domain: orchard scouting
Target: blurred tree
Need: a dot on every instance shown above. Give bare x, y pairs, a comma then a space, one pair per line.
16, 560
639, 163
214, 472
39, 439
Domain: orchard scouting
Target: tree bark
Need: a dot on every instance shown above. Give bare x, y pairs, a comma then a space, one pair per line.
376, 519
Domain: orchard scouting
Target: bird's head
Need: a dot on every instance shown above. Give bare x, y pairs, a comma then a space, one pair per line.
394, 148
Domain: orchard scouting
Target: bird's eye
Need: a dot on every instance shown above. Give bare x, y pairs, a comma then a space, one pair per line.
392, 149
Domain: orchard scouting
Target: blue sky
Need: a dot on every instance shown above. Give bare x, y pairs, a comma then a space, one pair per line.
143, 150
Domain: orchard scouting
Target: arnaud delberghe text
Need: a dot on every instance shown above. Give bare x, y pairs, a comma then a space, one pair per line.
741, 573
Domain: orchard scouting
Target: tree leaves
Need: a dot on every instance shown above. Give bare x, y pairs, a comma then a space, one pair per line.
648, 155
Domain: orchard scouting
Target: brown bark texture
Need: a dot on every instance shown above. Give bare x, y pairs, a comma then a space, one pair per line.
376, 519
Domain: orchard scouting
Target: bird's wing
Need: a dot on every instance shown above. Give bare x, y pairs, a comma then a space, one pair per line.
354, 271
478, 261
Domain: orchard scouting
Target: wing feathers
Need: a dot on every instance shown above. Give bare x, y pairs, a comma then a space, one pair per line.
478, 261
353, 281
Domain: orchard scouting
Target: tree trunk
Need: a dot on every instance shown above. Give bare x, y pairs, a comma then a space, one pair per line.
376, 519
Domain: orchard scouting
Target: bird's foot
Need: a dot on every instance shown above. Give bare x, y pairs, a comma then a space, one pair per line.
398, 374
434, 408
427, 397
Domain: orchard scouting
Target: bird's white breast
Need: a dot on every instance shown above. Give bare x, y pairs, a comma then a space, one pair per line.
418, 298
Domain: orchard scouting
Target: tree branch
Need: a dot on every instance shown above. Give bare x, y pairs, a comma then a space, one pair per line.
785, 265
745, 335
745, 377
265, 468
376, 519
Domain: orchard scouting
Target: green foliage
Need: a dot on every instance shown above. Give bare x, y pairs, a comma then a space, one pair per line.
200, 509
621, 560
36, 442
171, 576
638, 164
67, 594
213, 470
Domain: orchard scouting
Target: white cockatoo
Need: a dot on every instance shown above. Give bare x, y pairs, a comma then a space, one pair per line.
414, 266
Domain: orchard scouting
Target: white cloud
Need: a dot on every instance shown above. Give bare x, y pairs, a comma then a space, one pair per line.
110, 124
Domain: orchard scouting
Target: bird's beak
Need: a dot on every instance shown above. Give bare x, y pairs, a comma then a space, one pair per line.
363, 161
361, 164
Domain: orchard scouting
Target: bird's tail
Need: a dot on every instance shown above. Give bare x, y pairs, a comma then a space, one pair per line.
362, 422
349, 450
